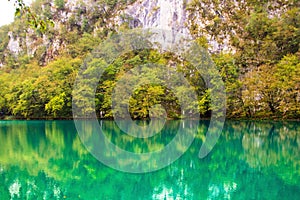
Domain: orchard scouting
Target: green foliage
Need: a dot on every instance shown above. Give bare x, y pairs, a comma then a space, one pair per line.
56, 104
229, 72
273, 91
262, 35
34, 92
83, 45
287, 74
60, 4
35, 21
260, 72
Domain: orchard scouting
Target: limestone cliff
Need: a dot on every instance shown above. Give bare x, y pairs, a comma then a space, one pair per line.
94, 16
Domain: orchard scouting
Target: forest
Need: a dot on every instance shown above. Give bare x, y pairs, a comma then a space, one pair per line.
261, 69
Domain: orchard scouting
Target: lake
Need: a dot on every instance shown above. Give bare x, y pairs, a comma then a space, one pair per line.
251, 160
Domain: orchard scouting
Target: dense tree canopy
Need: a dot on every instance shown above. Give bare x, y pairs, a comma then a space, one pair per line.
260, 70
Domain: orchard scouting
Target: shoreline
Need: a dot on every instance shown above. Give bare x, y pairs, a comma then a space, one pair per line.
11, 118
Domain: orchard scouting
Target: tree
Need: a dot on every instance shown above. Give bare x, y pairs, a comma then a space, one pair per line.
287, 74
230, 74
35, 21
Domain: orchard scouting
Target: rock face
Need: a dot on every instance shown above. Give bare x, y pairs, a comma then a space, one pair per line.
171, 16
163, 14
168, 15
14, 43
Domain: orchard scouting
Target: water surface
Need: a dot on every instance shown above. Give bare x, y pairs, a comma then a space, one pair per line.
252, 160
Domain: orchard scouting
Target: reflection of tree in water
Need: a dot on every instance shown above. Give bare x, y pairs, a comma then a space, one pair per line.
274, 147
34, 145
140, 145
251, 160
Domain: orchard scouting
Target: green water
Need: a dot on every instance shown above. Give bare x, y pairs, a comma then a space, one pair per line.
252, 160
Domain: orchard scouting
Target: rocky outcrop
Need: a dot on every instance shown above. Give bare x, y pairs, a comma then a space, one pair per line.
168, 15
171, 16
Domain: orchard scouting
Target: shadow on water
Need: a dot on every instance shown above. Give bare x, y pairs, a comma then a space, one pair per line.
252, 160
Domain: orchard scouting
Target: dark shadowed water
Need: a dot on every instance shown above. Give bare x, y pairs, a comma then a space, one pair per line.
252, 160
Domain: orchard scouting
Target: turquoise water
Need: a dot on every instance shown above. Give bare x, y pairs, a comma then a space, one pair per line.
251, 160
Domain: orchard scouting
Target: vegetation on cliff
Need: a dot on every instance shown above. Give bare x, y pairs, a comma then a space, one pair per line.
261, 70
